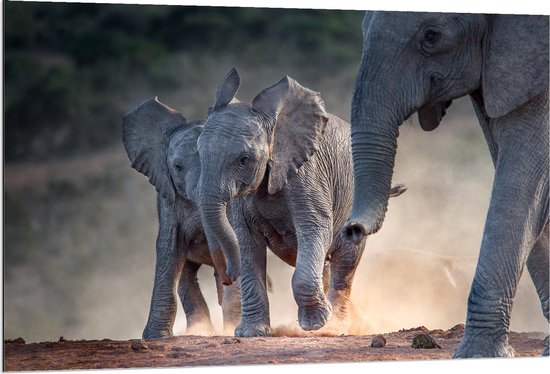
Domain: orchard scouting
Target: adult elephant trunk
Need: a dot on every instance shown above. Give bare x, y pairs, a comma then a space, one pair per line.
219, 232
374, 130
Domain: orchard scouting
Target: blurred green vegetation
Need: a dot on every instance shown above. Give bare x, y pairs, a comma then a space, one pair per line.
69, 68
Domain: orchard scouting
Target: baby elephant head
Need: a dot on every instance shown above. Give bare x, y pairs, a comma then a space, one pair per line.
163, 146
244, 147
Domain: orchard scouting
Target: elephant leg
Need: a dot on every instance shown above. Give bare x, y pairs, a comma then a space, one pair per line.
538, 264
345, 258
326, 277
231, 307
314, 310
229, 298
518, 212
192, 300
162, 312
255, 319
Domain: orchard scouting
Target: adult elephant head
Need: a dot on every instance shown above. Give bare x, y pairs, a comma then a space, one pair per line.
420, 62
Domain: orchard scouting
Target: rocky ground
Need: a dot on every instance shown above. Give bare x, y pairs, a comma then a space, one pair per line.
184, 351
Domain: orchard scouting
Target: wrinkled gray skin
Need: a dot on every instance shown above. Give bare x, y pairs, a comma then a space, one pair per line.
419, 62
285, 165
162, 146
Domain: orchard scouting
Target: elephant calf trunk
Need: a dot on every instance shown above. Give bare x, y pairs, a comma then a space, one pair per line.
216, 224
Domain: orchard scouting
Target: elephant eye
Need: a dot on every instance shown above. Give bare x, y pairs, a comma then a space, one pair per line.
431, 37
178, 167
243, 161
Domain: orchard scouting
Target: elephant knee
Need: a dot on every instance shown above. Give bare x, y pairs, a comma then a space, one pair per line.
305, 288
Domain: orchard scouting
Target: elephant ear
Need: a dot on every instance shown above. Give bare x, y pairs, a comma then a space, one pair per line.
516, 62
227, 89
298, 117
430, 115
145, 134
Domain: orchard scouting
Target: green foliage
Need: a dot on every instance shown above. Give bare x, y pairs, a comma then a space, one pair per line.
70, 66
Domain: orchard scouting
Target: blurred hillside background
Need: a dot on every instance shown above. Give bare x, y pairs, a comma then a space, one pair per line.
80, 224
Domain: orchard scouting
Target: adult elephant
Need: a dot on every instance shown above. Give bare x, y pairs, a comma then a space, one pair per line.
283, 165
419, 62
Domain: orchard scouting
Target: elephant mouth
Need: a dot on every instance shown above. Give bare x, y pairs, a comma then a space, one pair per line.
430, 116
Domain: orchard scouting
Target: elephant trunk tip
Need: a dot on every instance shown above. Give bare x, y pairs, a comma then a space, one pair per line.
354, 232
220, 266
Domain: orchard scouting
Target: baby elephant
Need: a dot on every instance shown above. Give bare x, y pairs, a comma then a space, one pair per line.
163, 146
285, 167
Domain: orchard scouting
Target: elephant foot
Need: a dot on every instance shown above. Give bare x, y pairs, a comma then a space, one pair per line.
314, 317
247, 330
156, 333
545, 352
483, 346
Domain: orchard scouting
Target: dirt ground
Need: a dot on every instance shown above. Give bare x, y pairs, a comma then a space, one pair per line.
221, 350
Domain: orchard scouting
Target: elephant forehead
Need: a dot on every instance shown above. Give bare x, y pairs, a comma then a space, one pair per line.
228, 145
235, 118
400, 25
391, 21
233, 131
184, 142
409, 22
